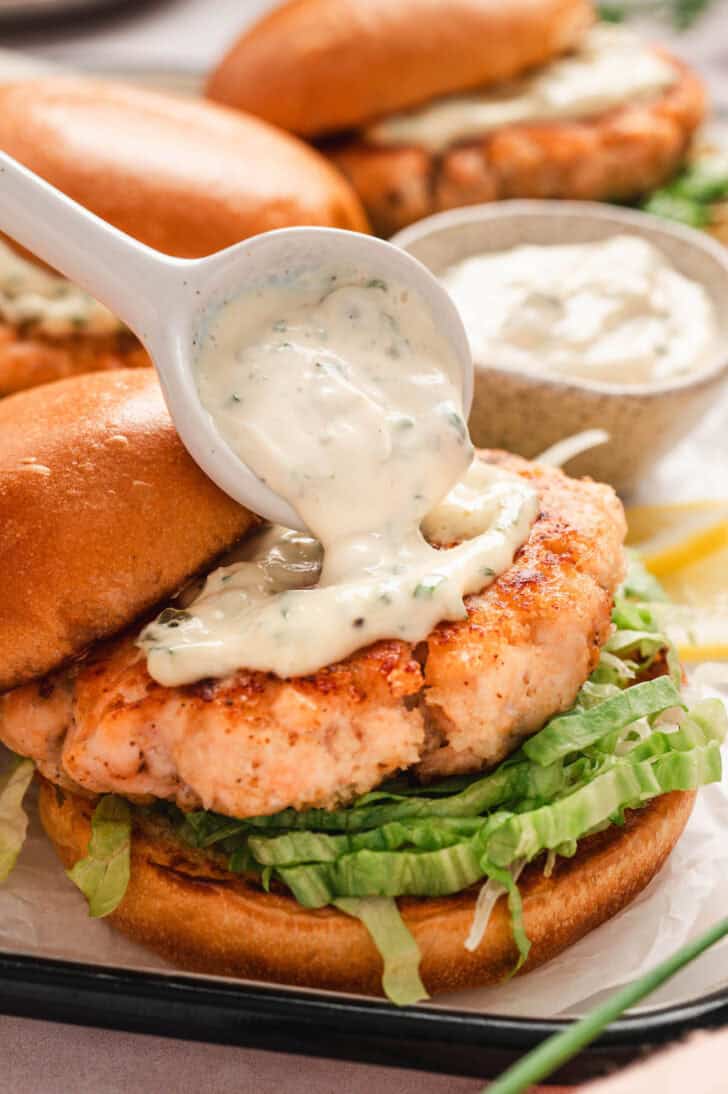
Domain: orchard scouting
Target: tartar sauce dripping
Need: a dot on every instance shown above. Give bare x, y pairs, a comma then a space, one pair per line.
615, 311
610, 68
339, 392
46, 302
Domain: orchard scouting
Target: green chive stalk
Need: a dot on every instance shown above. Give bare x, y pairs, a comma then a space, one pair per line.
561, 1047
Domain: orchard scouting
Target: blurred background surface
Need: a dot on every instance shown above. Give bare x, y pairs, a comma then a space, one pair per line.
173, 42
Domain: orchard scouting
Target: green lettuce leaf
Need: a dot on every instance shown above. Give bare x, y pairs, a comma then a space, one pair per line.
642, 645
509, 781
576, 730
515, 907
13, 818
103, 875
639, 605
705, 180
399, 951
428, 834
634, 615
624, 784
705, 722
674, 206
640, 584
385, 873
592, 693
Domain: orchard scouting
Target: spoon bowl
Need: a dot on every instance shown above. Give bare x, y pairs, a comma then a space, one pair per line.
168, 302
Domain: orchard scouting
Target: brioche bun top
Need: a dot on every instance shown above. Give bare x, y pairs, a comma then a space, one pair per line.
183, 176
318, 66
102, 514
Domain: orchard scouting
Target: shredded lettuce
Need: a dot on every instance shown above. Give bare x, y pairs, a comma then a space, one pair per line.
428, 834
689, 197
13, 819
640, 606
512, 780
578, 729
640, 584
641, 645
103, 875
488, 897
385, 873
507, 878
626, 784
399, 952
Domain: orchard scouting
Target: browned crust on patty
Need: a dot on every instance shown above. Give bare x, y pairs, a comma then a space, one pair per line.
614, 157
532, 637
29, 358
204, 919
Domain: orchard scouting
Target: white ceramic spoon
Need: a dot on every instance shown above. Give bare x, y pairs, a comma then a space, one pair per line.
166, 301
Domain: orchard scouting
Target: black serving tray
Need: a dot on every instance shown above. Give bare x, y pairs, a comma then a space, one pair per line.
285, 1019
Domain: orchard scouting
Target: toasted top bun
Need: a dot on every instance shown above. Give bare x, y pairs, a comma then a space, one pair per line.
102, 513
185, 177
318, 66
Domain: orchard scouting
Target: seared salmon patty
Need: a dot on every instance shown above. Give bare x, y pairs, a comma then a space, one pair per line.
253, 744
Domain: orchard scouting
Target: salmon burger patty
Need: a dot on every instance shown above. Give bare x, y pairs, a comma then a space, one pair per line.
30, 358
615, 156
253, 744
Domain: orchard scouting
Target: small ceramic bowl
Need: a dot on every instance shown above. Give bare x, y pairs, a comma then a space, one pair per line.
526, 413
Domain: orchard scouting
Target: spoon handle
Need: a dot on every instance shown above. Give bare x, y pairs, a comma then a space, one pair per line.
119, 271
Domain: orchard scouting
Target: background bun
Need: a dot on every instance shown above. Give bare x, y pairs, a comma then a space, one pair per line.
204, 919
318, 66
184, 176
102, 513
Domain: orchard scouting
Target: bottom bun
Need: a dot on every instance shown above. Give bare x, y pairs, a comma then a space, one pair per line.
200, 917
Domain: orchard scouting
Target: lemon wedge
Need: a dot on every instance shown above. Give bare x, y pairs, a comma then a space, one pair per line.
698, 637
670, 537
701, 584
699, 590
686, 547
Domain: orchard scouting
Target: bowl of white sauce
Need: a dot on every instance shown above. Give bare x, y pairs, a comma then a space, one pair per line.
581, 316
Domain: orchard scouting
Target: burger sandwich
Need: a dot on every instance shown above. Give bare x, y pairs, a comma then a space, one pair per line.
427, 106
185, 177
416, 816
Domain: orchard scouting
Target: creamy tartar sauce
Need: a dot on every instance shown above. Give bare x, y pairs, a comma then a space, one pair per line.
615, 311
47, 302
339, 392
610, 68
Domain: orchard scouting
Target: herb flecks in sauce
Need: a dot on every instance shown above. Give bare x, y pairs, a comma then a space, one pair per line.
614, 311
365, 450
